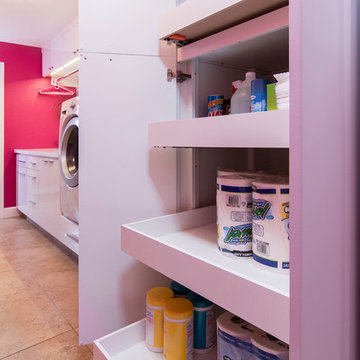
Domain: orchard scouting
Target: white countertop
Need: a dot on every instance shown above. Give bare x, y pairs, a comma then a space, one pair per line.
53, 153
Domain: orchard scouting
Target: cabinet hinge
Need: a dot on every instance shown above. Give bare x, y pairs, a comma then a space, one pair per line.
179, 76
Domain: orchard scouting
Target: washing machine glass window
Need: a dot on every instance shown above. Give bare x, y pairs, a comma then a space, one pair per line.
69, 152
72, 152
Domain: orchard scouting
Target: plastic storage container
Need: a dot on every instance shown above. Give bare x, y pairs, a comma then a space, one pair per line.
259, 95
240, 101
204, 323
179, 290
155, 302
178, 329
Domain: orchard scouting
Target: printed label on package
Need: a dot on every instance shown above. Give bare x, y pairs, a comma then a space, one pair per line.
262, 210
240, 234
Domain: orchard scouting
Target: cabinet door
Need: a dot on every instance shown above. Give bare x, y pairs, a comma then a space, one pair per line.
32, 194
21, 187
49, 186
47, 61
61, 50
128, 27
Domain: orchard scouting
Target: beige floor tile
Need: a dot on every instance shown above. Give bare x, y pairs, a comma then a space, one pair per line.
33, 250
7, 253
14, 224
62, 289
62, 347
27, 316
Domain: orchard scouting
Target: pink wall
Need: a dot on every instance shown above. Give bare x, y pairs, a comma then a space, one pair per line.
31, 120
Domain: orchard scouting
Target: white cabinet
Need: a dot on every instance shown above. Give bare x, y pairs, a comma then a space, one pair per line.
323, 160
38, 195
169, 242
38, 185
62, 50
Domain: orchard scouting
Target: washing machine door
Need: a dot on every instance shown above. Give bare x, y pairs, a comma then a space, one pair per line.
69, 152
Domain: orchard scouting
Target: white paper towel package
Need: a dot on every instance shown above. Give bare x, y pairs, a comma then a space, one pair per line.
234, 215
271, 224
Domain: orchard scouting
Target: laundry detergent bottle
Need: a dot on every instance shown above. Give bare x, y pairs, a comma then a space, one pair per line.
240, 101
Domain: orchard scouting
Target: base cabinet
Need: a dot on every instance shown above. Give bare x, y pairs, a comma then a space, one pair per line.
38, 197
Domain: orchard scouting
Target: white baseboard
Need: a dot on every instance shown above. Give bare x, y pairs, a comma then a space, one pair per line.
9, 212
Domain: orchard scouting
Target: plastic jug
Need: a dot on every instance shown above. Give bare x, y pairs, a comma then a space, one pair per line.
240, 101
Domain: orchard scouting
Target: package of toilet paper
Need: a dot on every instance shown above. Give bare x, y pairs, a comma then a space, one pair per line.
266, 347
270, 217
234, 338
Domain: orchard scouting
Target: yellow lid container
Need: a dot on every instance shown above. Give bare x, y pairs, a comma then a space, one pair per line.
155, 302
178, 308
158, 296
178, 329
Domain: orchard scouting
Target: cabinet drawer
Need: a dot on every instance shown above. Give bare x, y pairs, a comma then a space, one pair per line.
21, 170
32, 162
21, 160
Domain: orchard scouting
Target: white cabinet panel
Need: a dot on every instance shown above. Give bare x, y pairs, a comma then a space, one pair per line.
122, 180
121, 26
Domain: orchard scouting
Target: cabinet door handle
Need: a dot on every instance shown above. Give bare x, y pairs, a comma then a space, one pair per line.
33, 177
32, 163
32, 202
72, 237
48, 161
22, 161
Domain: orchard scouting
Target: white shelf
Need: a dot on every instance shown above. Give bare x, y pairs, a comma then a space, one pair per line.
261, 44
183, 247
128, 343
199, 18
268, 129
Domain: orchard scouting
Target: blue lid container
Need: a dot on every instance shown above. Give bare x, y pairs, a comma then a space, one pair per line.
178, 289
198, 301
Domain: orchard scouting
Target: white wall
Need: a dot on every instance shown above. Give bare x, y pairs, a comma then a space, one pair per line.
121, 179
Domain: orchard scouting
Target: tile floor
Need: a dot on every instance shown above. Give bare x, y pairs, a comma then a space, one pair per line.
38, 296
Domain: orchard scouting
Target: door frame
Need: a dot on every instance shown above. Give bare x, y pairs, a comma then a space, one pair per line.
12, 211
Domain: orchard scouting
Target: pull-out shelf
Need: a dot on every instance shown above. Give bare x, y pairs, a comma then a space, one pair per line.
183, 247
268, 129
128, 343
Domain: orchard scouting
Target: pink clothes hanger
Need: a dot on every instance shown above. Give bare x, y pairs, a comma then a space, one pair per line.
56, 88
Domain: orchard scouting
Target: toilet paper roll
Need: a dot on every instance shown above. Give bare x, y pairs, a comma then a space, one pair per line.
234, 338
271, 224
268, 347
234, 216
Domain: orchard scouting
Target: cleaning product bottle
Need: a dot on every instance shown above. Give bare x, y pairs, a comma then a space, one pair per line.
240, 101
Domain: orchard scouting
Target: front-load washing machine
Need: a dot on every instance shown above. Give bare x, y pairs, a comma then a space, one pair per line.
69, 159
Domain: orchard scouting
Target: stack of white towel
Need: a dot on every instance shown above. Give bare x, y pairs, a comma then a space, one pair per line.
282, 90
